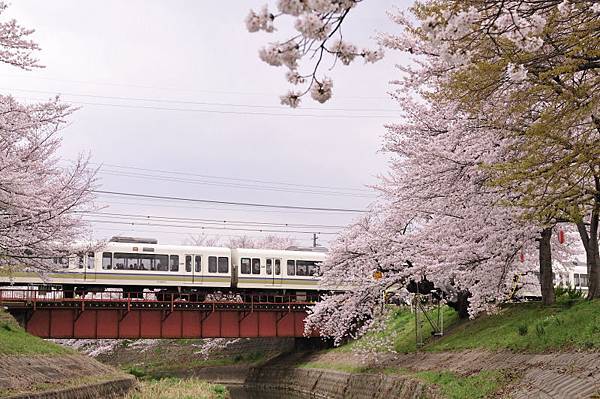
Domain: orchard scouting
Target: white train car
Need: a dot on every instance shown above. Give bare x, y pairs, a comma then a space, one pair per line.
277, 269
138, 264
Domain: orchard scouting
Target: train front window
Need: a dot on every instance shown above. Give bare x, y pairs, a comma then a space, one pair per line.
245, 265
223, 264
291, 267
255, 266
107, 260
269, 266
174, 263
212, 264
188, 263
198, 263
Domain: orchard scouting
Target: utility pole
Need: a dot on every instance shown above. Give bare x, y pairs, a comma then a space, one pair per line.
315, 240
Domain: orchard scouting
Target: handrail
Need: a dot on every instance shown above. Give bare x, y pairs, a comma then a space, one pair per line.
29, 295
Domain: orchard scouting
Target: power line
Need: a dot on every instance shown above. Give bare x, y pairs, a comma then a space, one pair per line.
188, 102
205, 227
230, 178
212, 111
211, 221
296, 238
160, 197
232, 185
179, 88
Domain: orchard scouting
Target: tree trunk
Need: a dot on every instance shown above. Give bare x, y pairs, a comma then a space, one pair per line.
546, 280
592, 252
462, 304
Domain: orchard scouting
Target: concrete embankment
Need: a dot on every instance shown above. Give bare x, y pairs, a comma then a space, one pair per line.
60, 377
33, 368
330, 384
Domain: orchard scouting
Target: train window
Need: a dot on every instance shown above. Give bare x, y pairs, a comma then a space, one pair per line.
174, 263
269, 267
132, 262
119, 261
255, 266
80, 262
146, 262
162, 263
277, 267
188, 263
291, 267
245, 265
198, 263
301, 268
223, 264
212, 264
62, 261
306, 268
90, 260
107, 260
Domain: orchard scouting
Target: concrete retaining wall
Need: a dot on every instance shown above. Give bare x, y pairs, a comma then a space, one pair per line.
109, 389
329, 384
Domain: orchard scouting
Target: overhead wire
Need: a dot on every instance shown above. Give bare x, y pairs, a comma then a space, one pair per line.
213, 111
189, 102
220, 222
198, 227
248, 204
187, 89
231, 185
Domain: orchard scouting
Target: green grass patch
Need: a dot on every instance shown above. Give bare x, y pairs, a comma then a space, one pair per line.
15, 341
176, 388
529, 327
475, 386
398, 334
158, 368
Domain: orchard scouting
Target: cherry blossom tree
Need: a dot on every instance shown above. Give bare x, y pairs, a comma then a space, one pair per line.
319, 26
473, 189
532, 69
39, 199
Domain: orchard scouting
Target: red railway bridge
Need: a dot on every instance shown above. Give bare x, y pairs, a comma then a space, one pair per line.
63, 314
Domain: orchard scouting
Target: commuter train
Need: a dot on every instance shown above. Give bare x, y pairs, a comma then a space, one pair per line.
137, 264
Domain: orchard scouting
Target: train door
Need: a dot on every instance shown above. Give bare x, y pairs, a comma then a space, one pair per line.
87, 264
273, 270
193, 268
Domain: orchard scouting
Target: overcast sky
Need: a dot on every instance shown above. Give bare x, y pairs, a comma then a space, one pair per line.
177, 86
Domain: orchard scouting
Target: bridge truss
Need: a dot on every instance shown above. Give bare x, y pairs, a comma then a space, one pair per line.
64, 314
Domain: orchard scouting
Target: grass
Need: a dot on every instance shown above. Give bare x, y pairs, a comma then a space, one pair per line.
176, 388
15, 341
398, 333
161, 367
529, 327
570, 324
475, 386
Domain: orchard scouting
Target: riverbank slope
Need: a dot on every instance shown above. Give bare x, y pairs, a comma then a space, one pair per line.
33, 368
